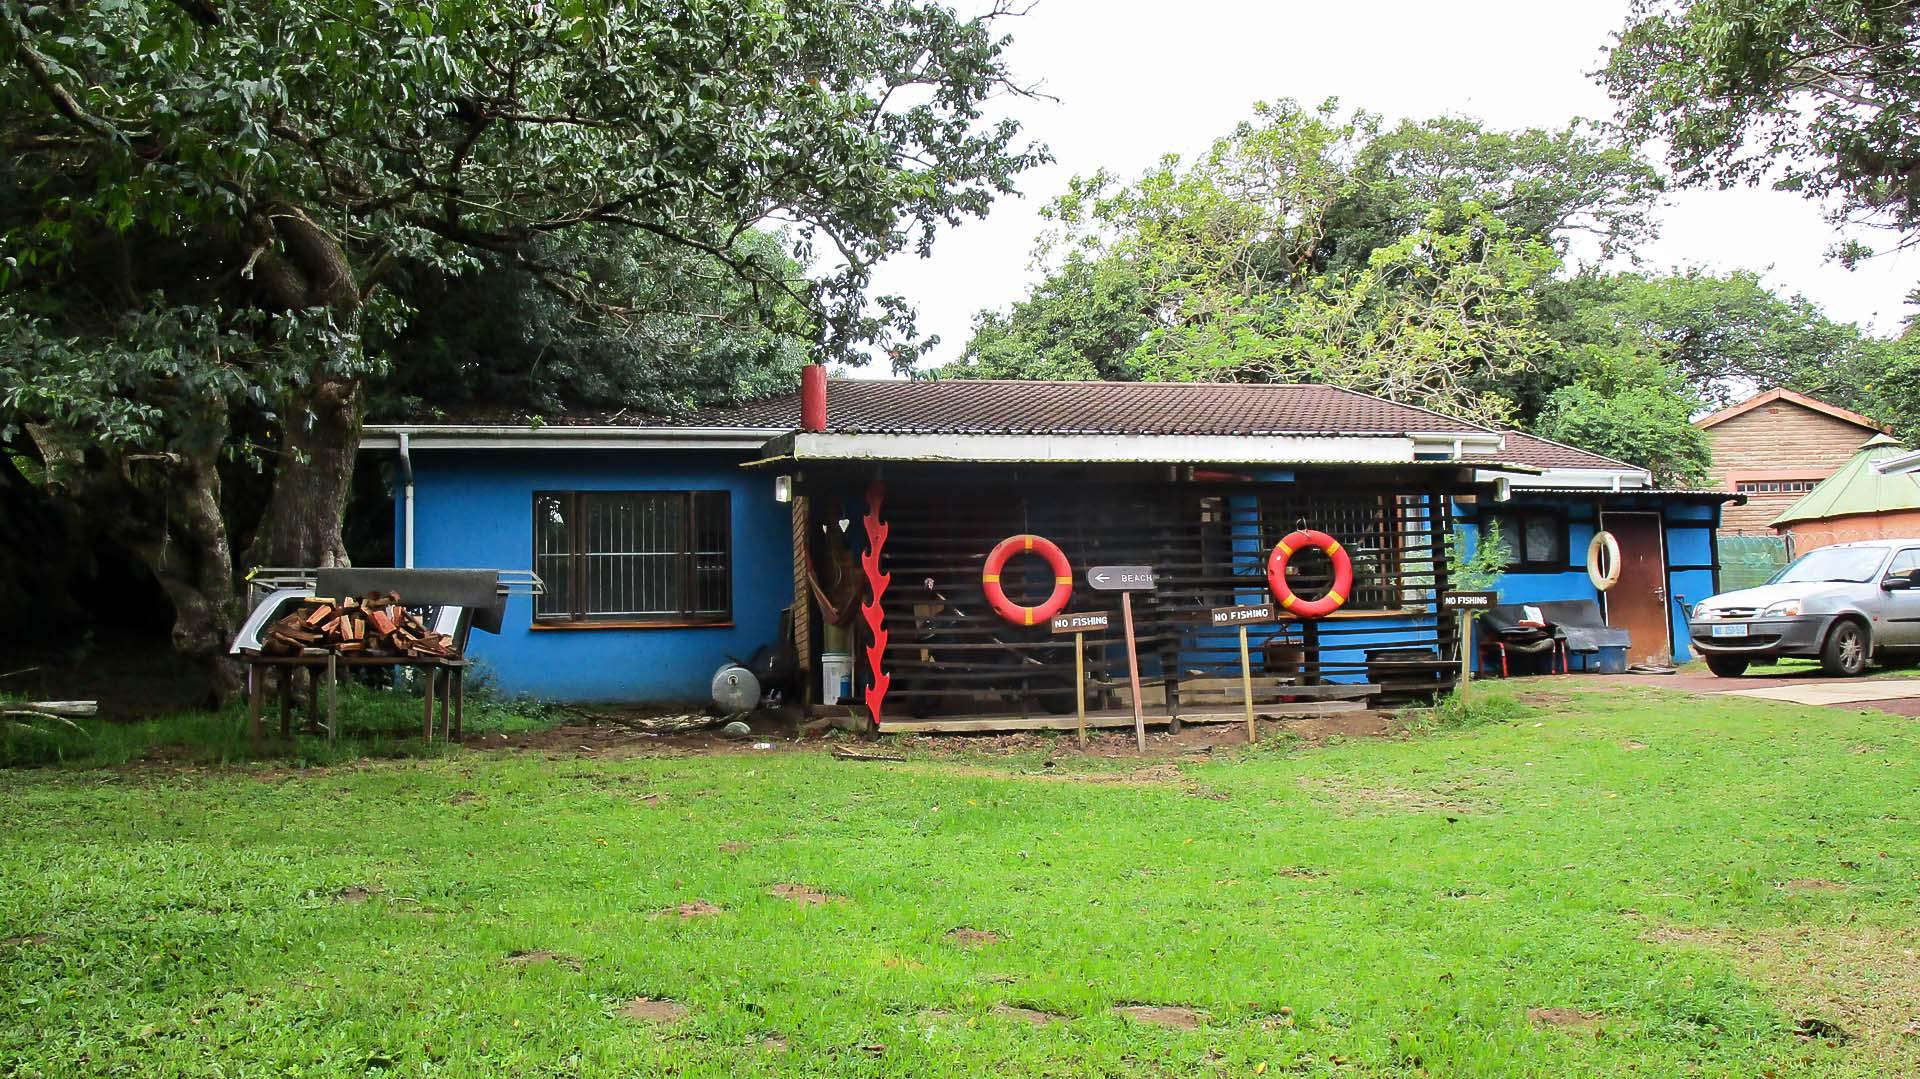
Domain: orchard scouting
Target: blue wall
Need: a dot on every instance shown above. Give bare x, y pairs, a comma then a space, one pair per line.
1689, 528
474, 508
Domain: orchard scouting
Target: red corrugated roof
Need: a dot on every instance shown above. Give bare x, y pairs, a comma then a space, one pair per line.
986, 407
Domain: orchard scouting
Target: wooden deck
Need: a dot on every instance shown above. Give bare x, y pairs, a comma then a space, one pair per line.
1117, 717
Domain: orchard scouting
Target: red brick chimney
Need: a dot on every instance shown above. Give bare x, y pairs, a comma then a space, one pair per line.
813, 398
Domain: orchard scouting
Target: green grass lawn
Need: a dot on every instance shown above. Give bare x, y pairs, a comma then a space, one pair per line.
1684, 878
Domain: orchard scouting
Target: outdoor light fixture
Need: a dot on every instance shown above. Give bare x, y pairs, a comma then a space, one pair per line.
783, 488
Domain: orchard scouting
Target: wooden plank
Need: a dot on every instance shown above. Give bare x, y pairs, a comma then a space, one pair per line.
1109, 718
1325, 691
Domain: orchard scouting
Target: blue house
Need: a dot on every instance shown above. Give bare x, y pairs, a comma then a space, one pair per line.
870, 539
1548, 520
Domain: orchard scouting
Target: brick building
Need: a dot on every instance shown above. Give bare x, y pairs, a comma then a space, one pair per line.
1775, 447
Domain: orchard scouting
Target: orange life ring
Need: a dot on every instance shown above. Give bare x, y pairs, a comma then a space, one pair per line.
1342, 574
1003, 553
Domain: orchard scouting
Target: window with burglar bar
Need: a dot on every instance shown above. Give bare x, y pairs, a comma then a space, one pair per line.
640, 557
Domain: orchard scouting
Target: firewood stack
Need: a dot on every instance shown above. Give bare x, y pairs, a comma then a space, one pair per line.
374, 624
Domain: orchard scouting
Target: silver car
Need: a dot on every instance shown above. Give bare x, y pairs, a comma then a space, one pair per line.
1843, 605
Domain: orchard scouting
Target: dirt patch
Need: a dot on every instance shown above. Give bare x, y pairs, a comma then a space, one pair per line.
773, 1045
698, 908
1857, 984
1563, 1017
974, 938
1356, 797
1633, 745
805, 896
541, 958
27, 940
1031, 1016
614, 735
1173, 1017
648, 1010
733, 848
465, 798
1342, 725
356, 893
1542, 698
1812, 884
1300, 872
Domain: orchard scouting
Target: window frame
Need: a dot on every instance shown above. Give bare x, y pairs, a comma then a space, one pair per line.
683, 616
1557, 562
1379, 546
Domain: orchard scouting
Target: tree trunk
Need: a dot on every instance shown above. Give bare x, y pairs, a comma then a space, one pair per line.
301, 526
165, 508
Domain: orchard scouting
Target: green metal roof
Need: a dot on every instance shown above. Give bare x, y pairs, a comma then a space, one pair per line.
1857, 488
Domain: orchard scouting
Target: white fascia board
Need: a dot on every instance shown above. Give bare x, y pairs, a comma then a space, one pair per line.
1484, 444
488, 437
1593, 479
1104, 449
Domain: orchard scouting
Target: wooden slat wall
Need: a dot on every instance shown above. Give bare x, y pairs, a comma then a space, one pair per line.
1208, 545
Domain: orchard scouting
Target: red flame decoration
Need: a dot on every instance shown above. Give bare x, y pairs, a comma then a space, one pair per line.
871, 611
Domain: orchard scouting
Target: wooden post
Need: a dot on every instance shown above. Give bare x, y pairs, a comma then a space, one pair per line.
1080, 684
459, 702
1133, 672
333, 697
1466, 651
286, 702
256, 678
1246, 686
431, 690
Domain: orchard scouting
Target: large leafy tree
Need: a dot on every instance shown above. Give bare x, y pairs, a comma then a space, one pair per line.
1554, 186
1307, 244
1816, 96
1632, 406
1724, 334
493, 341
208, 206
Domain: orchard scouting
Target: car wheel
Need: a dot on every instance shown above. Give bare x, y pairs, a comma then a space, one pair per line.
1727, 666
1845, 654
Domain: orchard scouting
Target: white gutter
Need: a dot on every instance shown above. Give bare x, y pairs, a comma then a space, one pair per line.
1458, 446
1905, 464
406, 526
1590, 479
381, 436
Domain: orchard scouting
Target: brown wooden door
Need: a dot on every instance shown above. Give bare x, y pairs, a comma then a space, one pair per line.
1638, 602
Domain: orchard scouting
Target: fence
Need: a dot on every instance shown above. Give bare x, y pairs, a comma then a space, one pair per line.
1748, 559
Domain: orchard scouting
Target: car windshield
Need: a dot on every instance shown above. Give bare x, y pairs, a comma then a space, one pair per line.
1850, 564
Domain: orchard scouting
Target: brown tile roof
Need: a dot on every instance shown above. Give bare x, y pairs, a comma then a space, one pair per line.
1526, 449
968, 406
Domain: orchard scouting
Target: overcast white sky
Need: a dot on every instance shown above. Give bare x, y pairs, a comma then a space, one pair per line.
1138, 78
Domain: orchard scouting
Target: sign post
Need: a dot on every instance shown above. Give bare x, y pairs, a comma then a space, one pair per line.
1078, 625
1465, 605
1127, 580
1240, 617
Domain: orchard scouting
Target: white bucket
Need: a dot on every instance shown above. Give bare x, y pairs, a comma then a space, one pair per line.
836, 677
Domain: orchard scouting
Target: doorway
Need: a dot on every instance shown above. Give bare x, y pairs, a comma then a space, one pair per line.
1638, 602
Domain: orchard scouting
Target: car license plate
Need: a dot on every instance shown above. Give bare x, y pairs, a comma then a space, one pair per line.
1730, 631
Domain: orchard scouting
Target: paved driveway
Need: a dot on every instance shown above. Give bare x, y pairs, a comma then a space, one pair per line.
1797, 685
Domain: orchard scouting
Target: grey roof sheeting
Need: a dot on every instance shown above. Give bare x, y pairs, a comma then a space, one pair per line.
990, 407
